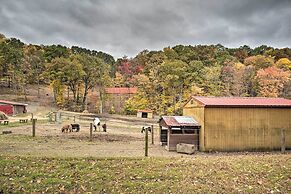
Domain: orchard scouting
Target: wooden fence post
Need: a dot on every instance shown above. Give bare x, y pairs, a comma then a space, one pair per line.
60, 121
59, 117
283, 141
33, 127
152, 129
55, 117
146, 141
91, 130
74, 119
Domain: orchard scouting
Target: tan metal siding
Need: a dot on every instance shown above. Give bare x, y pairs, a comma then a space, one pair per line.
232, 129
198, 114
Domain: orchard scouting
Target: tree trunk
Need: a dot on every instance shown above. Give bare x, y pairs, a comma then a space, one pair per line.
68, 90
25, 94
55, 95
86, 89
85, 99
73, 89
9, 81
38, 94
78, 94
101, 102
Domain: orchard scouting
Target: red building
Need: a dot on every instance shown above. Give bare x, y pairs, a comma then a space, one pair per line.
116, 98
12, 108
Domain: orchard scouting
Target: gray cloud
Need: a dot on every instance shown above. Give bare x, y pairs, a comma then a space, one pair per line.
129, 26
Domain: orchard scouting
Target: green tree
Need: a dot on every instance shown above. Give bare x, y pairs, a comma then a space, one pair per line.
55, 51
11, 55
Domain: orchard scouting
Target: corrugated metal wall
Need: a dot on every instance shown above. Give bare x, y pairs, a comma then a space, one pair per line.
6, 108
192, 109
232, 129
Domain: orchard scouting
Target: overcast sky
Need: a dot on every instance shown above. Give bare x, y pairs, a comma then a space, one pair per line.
126, 27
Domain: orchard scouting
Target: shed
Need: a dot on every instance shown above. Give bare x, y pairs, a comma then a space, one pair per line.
12, 108
146, 113
240, 123
178, 129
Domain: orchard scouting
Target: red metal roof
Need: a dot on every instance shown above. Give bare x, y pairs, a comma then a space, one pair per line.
242, 101
121, 90
12, 103
177, 121
145, 110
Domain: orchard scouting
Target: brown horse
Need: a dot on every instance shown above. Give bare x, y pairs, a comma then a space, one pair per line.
66, 128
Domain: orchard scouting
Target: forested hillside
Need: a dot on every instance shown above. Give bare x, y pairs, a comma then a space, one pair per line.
165, 79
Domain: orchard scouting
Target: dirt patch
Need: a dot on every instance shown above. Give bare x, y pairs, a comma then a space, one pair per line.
122, 139
106, 138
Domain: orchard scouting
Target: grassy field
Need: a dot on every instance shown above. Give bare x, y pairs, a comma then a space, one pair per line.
236, 173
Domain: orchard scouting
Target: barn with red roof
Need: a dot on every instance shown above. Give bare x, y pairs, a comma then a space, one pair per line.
116, 98
241, 123
12, 108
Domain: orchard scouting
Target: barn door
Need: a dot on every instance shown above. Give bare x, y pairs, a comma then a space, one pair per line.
144, 115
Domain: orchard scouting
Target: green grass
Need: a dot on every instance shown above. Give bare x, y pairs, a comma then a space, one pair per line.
210, 174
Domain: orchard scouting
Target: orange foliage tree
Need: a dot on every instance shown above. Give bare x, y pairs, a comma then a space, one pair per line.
271, 81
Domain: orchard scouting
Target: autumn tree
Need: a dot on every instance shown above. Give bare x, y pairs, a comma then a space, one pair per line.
271, 81
232, 79
96, 73
211, 83
65, 71
33, 64
2, 38
284, 63
259, 61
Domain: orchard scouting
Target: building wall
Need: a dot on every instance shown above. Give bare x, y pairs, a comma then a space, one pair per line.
117, 101
174, 139
139, 114
150, 115
7, 109
235, 129
19, 109
197, 112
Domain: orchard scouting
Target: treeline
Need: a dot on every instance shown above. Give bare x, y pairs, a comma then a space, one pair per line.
74, 69
165, 79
